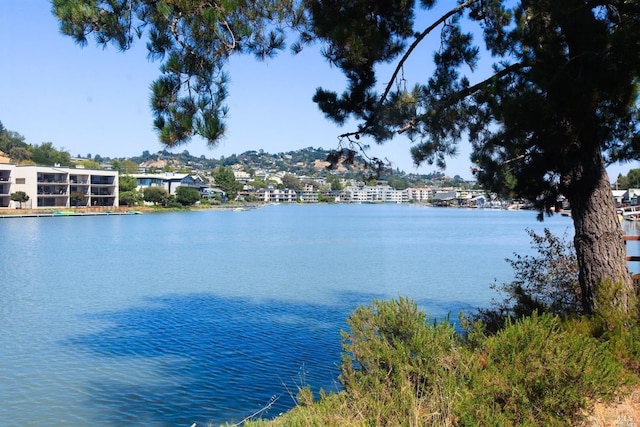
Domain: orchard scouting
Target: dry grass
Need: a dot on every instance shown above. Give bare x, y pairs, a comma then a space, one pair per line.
623, 413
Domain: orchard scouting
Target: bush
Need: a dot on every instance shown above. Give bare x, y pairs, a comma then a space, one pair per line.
130, 198
536, 372
403, 368
155, 195
544, 283
187, 196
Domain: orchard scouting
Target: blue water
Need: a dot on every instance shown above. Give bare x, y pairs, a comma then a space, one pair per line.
208, 317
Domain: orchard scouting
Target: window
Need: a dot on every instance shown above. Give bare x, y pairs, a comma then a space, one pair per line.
20, 180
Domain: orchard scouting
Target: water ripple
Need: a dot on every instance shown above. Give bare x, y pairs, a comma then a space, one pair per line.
183, 359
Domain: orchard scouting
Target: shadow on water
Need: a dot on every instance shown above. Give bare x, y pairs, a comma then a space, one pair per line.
200, 358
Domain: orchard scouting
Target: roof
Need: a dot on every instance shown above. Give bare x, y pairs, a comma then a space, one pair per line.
445, 195
167, 176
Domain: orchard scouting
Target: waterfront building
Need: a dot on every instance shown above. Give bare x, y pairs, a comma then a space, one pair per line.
420, 194
309, 194
276, 195
58, 187
361, 193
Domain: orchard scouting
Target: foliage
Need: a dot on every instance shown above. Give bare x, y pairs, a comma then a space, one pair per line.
20, 197
10, 140
561, 103
535, 372
19, 154
226, 180
127, 183
545, 77
187, 196
128, 193
326, 198
610, 295
292, 182
398, 183
335, 182
172, 203
90, 164
546, 282
398, 363
155, 195
47, 154
631, 180
126, 167
130, 198
258, 183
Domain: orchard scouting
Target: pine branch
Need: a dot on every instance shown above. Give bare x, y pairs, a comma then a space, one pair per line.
464, 93
415, 43
404, 58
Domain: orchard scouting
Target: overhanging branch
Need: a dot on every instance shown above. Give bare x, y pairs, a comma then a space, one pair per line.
463, 94
404, 58
415, 43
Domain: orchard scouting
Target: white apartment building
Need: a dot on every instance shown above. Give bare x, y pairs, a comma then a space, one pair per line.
275, 195
420, 194
58, 187
374, 194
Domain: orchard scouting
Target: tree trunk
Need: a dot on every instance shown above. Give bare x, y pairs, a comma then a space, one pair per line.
598, 240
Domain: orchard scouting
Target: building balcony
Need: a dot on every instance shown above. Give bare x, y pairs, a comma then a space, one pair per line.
106, 180
53, 178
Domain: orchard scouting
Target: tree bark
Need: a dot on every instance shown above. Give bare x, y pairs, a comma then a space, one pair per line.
599, 243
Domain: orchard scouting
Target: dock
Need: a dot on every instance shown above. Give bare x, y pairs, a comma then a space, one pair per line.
67, 214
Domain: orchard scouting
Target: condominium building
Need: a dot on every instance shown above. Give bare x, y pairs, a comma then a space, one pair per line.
58, 187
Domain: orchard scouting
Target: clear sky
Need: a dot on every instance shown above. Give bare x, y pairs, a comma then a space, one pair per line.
94, 101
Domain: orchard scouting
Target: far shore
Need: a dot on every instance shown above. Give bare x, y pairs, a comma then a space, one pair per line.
123, 209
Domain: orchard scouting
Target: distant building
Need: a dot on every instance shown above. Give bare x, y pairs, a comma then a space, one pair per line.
170, 181
618, 196
420, 194
276, 195
361, 193
631, 196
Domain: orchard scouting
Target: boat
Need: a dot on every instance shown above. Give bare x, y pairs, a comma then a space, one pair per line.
630, 213
64, 213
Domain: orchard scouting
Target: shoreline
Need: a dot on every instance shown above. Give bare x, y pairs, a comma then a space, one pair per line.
108, 210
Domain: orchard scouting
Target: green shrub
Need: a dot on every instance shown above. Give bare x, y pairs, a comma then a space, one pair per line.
535, 372
400, 369
403, 368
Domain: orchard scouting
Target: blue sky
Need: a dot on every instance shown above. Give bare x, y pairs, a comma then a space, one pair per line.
96, 101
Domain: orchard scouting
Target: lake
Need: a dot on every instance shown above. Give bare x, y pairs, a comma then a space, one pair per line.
210, 316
